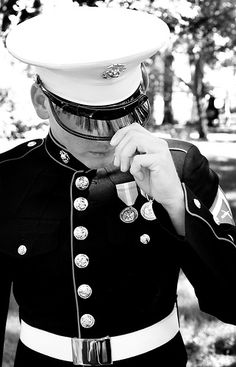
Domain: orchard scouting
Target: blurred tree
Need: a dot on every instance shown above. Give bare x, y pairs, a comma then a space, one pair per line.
16, 11
210, 31
168, 89
203, 29
86, 2
13, 12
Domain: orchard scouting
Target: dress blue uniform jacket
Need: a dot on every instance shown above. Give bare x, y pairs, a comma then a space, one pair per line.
133, 284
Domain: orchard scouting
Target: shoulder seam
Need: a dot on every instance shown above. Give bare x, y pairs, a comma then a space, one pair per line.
24, 155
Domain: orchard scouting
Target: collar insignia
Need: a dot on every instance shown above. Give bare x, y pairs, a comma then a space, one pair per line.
64, 156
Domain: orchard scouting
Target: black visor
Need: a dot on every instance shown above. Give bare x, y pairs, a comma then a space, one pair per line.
98, 122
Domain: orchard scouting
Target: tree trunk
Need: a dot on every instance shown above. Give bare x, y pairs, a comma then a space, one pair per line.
168, 90
202, 127
199, 93
155, 76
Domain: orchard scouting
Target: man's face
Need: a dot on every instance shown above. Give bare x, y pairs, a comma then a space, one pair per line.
74, 131
92, 153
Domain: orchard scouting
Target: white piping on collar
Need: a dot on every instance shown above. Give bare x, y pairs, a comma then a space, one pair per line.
61, 147
56, 142
58, 162
24, 155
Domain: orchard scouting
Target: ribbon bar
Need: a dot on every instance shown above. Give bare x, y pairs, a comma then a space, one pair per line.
127, 192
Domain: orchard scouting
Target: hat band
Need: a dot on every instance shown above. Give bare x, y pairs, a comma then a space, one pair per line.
98, 122
108, 112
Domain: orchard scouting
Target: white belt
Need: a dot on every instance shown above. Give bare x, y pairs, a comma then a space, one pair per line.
100, 351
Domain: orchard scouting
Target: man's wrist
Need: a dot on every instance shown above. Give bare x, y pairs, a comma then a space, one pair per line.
176, 211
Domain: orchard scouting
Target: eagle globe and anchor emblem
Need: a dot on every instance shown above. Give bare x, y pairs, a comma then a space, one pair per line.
113, 71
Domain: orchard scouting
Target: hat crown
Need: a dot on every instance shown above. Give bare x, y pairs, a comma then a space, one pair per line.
87, 35
90, 55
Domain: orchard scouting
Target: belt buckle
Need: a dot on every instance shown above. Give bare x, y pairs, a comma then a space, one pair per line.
91, 352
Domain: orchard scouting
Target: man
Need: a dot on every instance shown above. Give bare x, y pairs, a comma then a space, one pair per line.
99, 217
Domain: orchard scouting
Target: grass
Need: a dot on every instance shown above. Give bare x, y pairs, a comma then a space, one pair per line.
209, 342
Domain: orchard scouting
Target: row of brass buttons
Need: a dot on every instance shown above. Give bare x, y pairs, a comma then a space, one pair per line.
82, 260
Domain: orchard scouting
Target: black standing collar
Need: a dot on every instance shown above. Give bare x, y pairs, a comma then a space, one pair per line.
62, 156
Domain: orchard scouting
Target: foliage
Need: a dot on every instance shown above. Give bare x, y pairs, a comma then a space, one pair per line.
202, 29
13, 12
16, 11
88, 2
211, 32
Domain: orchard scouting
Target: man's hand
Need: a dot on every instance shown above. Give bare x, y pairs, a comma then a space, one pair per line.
149, 160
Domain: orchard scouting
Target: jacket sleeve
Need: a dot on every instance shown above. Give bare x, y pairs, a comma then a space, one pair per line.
5, 288
207, 253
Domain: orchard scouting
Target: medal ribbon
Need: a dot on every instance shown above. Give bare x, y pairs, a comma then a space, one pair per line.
127, 192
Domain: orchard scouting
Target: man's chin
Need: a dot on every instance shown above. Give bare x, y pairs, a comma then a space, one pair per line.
96, 162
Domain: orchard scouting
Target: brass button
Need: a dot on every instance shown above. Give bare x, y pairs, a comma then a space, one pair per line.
82, 183
84, 291
197, 203
22, 250
87, 321
31, 144
145, 238
80, 204
81, 261
80, 233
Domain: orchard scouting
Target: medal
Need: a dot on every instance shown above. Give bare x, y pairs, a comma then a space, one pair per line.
129, 214
147, 211
128, 193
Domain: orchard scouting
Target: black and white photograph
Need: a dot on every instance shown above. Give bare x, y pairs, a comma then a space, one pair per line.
118, 183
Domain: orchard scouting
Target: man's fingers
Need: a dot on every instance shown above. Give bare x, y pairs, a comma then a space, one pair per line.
124, 154
119, 135
143, 161
133, 141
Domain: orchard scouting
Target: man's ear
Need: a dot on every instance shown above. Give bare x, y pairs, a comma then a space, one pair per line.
39, 101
